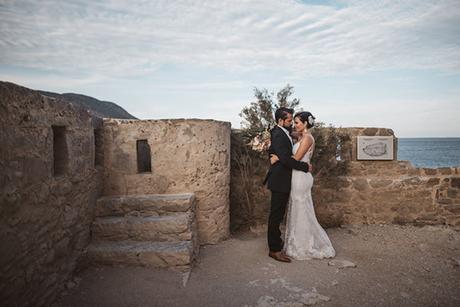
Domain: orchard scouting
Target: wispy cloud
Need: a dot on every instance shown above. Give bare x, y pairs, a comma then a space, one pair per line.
407, 117
351, 61
132, 38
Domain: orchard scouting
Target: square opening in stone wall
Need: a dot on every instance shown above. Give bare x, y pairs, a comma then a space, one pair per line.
98, 147
60, 151
143, 157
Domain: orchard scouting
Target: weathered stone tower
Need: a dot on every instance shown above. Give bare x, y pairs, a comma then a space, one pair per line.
74, 187
142, 219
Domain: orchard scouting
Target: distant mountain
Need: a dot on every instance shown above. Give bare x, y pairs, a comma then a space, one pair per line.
96, 107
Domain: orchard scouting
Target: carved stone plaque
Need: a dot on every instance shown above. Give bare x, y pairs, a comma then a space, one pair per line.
375, 148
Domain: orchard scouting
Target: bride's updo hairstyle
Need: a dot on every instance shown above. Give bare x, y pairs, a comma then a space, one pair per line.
306, 118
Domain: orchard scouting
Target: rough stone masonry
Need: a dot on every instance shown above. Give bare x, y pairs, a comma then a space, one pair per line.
49, 184
56, 161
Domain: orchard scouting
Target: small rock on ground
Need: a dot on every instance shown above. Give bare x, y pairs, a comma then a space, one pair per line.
342, 264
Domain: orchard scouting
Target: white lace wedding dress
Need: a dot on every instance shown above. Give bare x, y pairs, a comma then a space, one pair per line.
304, 237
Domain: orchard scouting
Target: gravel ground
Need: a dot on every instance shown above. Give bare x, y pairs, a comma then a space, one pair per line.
395, 266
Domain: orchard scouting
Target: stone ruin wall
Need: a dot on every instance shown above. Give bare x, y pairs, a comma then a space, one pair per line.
44, 219
186, 156
371, 192
388, 192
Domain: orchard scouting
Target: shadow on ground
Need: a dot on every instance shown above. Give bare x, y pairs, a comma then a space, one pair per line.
395, 266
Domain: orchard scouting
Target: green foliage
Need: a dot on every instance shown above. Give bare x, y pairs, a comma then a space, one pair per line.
283, 96
332, 152
248, 169
330, 142
258, 116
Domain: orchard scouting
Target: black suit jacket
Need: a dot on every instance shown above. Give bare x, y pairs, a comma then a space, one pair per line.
280, 173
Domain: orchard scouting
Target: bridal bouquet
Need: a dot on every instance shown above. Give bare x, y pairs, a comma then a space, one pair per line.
261, 142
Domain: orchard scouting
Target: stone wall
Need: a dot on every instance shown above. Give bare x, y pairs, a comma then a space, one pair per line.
44, 217
369, 192
351, 151
387, 191
186, 156
390, 192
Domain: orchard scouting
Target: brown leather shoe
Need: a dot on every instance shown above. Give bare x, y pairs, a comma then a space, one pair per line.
279, 256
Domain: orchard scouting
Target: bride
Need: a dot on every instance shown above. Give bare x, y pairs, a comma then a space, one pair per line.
304, 236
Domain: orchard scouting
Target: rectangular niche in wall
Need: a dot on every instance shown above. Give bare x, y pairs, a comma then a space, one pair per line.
143, 157
98, 148
60, 151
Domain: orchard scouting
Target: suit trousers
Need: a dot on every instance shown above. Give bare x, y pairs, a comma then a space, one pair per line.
279, 202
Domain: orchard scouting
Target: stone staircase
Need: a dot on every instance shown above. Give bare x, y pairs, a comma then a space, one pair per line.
145, 230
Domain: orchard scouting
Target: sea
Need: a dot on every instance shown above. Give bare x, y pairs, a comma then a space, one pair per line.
430, 152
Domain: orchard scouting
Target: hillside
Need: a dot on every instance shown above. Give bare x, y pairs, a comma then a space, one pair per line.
96, 107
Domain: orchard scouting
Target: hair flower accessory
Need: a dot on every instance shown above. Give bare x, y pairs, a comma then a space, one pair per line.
311, 120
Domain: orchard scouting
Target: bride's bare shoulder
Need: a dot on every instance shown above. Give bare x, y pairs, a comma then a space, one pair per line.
308, 138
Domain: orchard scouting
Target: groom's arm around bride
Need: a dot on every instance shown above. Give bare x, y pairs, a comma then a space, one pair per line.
279, 175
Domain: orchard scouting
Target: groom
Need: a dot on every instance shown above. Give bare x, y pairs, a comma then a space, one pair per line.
279, 179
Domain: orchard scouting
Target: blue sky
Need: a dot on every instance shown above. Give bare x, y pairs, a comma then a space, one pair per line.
392, 64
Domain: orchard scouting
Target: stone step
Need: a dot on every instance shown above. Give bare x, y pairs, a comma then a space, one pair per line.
172, 228
145, 205
151, 254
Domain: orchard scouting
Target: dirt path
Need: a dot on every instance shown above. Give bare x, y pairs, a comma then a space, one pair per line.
395, 266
